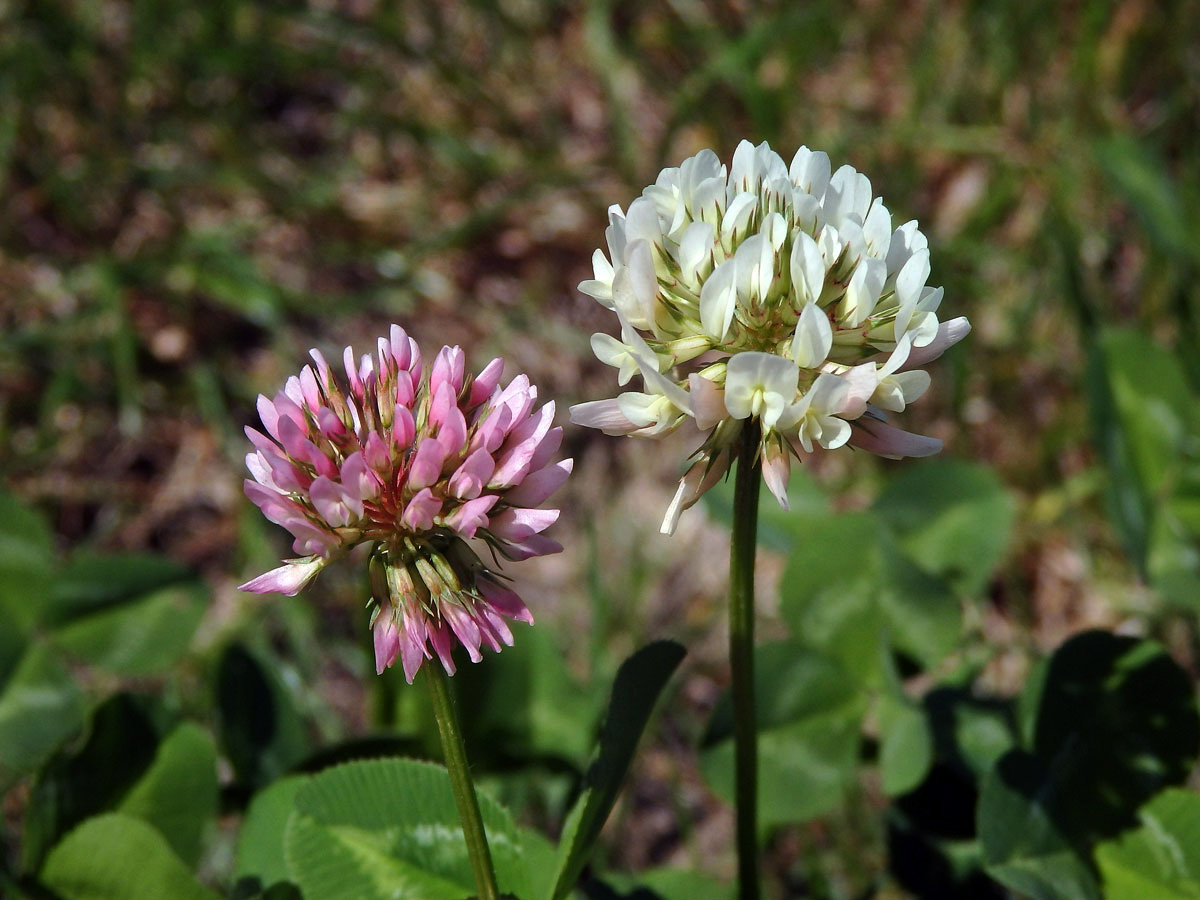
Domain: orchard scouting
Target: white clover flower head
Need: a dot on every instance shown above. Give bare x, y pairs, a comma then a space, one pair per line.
769, 294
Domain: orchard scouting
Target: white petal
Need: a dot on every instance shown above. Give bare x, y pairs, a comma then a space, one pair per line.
834, 432
810, 170
877, 230
694, 250
642, 222
717, 300
772, 378
828, 393
808, 268
912, 384
862, 293
603, 414
814, 337
736, 220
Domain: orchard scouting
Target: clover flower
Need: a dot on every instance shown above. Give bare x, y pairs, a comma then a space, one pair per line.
417, 463
767, 293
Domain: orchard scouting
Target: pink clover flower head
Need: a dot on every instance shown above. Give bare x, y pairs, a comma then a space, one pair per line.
770, 293
426, 464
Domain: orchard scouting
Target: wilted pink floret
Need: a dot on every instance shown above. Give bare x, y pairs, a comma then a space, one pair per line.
416, 462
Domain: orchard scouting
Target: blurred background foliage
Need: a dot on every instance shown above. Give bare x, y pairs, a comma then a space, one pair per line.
194, 194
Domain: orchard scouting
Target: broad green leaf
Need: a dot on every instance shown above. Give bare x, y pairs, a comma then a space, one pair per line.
115, 855
952, 517
849, 590
79, 782
1145, 415
639, 681
91, 582
1109, 721
1117, 720
261, 729
525, 704
804, 768
178, 793
778, 529
138, 637
1161, 858
968, 731
1144, 181
809, 715
1024, 847
40, 708
906, 745
26, 562
260, 840
388, 828
669, 884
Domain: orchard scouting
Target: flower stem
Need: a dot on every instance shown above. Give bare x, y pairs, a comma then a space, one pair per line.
460, 781
741, 658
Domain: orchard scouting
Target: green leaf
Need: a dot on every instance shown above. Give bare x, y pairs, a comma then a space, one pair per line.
40, 708
1109, 721
178, 793
261, 730
968, 731
1143, 179
639, 681
906, 745
809, 715
137, 638
1145, 416
1118, 718
526, 704
115, 855
260, 840
1161, 858
387, 828
849, 589
778, 529
26, 562
953, 518
81, 782
1024, 848
91, 582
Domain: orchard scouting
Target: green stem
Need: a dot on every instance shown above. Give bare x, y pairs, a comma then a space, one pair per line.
741, 657
460, 781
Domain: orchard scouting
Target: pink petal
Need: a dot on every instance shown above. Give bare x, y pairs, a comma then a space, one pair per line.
948, 334
376, 454
485, 382
401, 351
470, 516
540, 485
426, 466
387, 640
534, 545
464, 627
468, 480
513, 462
884, 440
288, 579
403, 427
358, 480
517, 524
546, 448
504, 600
420, 511
708, 402
449, 367
776, 471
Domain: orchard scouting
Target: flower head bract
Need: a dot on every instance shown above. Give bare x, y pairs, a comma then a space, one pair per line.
419, 463
766, 293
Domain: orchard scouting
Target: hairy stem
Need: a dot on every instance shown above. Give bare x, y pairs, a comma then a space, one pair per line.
460, 781
741, 657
